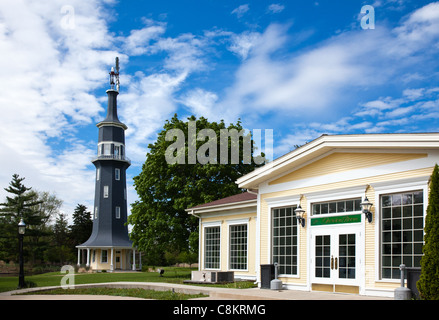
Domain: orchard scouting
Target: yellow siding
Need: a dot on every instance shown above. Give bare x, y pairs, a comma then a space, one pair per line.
338, 162
370, 235
251, 234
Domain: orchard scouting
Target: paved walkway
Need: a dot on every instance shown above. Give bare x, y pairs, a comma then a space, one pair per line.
213, 292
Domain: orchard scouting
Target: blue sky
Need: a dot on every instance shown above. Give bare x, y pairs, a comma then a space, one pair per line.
300, 68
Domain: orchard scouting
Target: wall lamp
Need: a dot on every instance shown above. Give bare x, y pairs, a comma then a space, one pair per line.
300, 215
367, 205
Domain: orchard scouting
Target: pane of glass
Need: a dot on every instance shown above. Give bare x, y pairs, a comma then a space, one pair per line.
342, 239
341, 206
396, 200
407, 211
349, 205
407, 223
418, 223
418, 197
357, 205
396, 212
386, 201
332, 207
419, 210
324, 208
316, 209
387, 213
407, 198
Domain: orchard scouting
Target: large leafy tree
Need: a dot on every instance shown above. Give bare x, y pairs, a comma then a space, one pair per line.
428, 283
160, 222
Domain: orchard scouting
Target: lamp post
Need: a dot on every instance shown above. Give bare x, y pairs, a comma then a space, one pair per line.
21, 230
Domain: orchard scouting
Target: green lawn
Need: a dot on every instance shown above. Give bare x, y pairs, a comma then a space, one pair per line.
172, 275
138, 293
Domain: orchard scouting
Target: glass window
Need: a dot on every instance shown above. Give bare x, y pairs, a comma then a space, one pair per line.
107, 148
212, 247
284, 228
402, 229
238, 247
117, 212
96, 212
104, 256
117, 174
339, 206
106, 191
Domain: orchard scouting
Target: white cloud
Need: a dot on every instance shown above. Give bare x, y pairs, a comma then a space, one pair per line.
276, 8
241, 10
241, 44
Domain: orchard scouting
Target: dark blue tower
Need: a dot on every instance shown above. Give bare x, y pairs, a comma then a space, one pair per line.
109, 246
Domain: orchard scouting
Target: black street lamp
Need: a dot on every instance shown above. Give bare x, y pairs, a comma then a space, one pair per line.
21, 230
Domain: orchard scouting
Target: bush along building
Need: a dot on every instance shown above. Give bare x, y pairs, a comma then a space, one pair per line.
339, 214
109, 247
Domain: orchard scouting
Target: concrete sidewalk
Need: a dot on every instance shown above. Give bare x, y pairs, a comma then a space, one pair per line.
214, 293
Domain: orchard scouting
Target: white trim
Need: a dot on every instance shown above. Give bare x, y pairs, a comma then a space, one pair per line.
368, 172
394, 186
325, 143
275, 203
225, 206
209, 225
235, 222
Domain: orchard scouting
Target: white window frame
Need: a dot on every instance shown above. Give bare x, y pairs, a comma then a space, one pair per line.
96, 212
98, 174
208, 225
117, 174
276, 203
233, 223
117, 212
102, 255
395, 186
106, 191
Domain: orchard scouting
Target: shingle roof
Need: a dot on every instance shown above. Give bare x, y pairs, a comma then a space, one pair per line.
245, 196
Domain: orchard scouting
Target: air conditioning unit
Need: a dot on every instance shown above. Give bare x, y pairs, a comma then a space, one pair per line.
212, 276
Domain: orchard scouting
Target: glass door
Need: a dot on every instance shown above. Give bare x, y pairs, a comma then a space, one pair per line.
335, 256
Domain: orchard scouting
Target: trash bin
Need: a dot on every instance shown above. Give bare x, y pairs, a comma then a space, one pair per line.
413, 275
267, 274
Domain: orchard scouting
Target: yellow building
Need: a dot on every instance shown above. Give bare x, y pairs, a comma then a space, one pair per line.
336, 248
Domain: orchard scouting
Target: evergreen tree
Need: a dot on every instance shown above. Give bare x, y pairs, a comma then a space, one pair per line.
82, 225
22, 204
428, 284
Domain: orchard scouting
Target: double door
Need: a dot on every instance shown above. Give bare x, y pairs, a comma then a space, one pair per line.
336, 256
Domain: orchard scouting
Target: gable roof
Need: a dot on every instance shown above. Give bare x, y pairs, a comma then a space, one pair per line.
326, 143
241, 198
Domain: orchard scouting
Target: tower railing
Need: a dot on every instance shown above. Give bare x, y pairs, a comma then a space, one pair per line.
111, 157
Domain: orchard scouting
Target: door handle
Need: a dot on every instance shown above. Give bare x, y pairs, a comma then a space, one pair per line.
332, 262
336, 264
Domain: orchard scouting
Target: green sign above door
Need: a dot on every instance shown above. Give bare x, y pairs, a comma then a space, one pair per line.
352, 218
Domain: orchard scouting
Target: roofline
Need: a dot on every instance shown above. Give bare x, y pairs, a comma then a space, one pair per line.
381, 140
224, 206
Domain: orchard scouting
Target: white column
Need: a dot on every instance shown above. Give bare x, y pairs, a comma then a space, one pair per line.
79, 256
121, 259
111, 264
88, 257
134, 259
140, 261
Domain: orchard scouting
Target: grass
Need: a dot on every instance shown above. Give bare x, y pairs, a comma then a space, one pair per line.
137, 293
171, 275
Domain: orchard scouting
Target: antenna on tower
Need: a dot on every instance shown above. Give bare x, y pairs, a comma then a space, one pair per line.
117, 74
114, 76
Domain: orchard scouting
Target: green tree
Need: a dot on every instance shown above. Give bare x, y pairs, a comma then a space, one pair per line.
165, 190
81, 228
428, 284
22, 204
